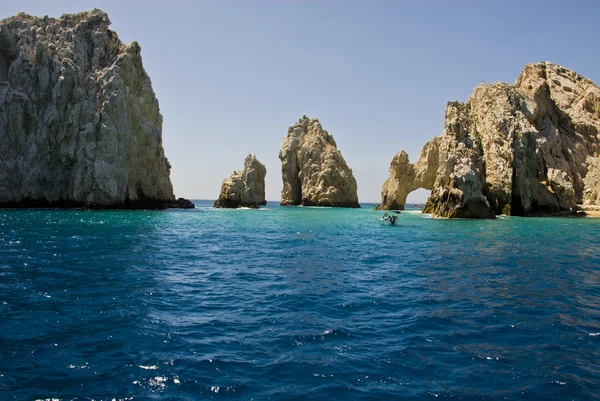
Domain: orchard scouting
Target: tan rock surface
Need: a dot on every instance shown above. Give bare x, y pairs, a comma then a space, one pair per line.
79, 120
313, 170
591, 181
525, 149
405, 177
244, 188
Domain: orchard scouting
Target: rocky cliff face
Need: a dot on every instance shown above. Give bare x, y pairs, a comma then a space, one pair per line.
527, 149
313, 169
79, 121
244, 188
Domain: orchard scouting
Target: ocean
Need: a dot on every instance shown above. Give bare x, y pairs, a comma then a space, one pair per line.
293, 303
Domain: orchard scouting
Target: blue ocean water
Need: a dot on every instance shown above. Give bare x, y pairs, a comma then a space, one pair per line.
296, 303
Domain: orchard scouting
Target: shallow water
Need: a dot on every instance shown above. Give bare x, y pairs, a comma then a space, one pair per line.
296, 303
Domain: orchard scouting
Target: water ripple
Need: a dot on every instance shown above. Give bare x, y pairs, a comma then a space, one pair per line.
296, 303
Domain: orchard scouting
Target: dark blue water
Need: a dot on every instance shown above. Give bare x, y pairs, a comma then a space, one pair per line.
296, 303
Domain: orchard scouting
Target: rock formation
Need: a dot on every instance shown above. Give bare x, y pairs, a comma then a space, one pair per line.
313, 169
79, 122
527, 149
405, 177
244, 188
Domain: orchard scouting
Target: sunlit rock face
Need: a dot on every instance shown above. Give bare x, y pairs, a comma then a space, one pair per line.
244, 188
79, 122
405, 177
524, 149
313, 170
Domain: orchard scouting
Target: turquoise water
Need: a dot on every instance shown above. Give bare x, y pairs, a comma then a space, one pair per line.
296, 303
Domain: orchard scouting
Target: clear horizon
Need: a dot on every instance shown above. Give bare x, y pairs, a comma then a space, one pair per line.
232, 76
278, 200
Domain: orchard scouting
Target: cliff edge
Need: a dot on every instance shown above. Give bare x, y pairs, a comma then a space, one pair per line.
79, 122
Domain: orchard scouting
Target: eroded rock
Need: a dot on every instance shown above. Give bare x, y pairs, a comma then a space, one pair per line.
520, 150
244, 188
313, 169
405, 177
79, 122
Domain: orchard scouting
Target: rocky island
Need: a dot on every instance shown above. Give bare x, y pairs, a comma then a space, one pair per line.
79, 121
526, 149
313, 170
244, 188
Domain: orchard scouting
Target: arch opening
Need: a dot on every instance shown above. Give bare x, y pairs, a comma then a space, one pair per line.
417, 198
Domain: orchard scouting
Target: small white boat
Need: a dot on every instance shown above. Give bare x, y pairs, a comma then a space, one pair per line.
389, 218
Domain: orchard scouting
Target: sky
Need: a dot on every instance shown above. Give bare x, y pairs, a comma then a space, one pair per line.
232, 76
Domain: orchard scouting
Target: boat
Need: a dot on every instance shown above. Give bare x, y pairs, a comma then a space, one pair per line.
389, 218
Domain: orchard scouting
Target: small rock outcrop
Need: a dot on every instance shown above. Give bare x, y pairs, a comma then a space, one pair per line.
524, 149
244, 188
313, 170
79, 122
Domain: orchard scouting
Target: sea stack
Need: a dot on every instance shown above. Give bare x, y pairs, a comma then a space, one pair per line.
244, 188
79, 122
313, 170
525, 149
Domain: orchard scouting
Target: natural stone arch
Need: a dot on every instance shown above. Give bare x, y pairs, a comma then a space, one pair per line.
524, 149
406, 177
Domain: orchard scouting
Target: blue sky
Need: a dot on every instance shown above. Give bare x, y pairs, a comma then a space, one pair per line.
231, 76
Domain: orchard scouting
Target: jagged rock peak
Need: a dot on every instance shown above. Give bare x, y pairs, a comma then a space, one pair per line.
244, 188
313, 170
79, 117
527, 149
67, 21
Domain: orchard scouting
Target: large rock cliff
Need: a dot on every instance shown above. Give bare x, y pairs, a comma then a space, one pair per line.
313, 169
79, 122
244, 188
527, 149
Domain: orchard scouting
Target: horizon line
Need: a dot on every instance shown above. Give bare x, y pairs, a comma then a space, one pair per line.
278, 201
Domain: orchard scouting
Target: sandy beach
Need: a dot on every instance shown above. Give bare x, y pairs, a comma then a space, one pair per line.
592, 213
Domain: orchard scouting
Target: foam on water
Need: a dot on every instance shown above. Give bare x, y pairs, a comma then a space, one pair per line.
296, 303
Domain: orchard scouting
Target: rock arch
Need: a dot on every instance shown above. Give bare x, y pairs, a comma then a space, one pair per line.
406, 177
525, 149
